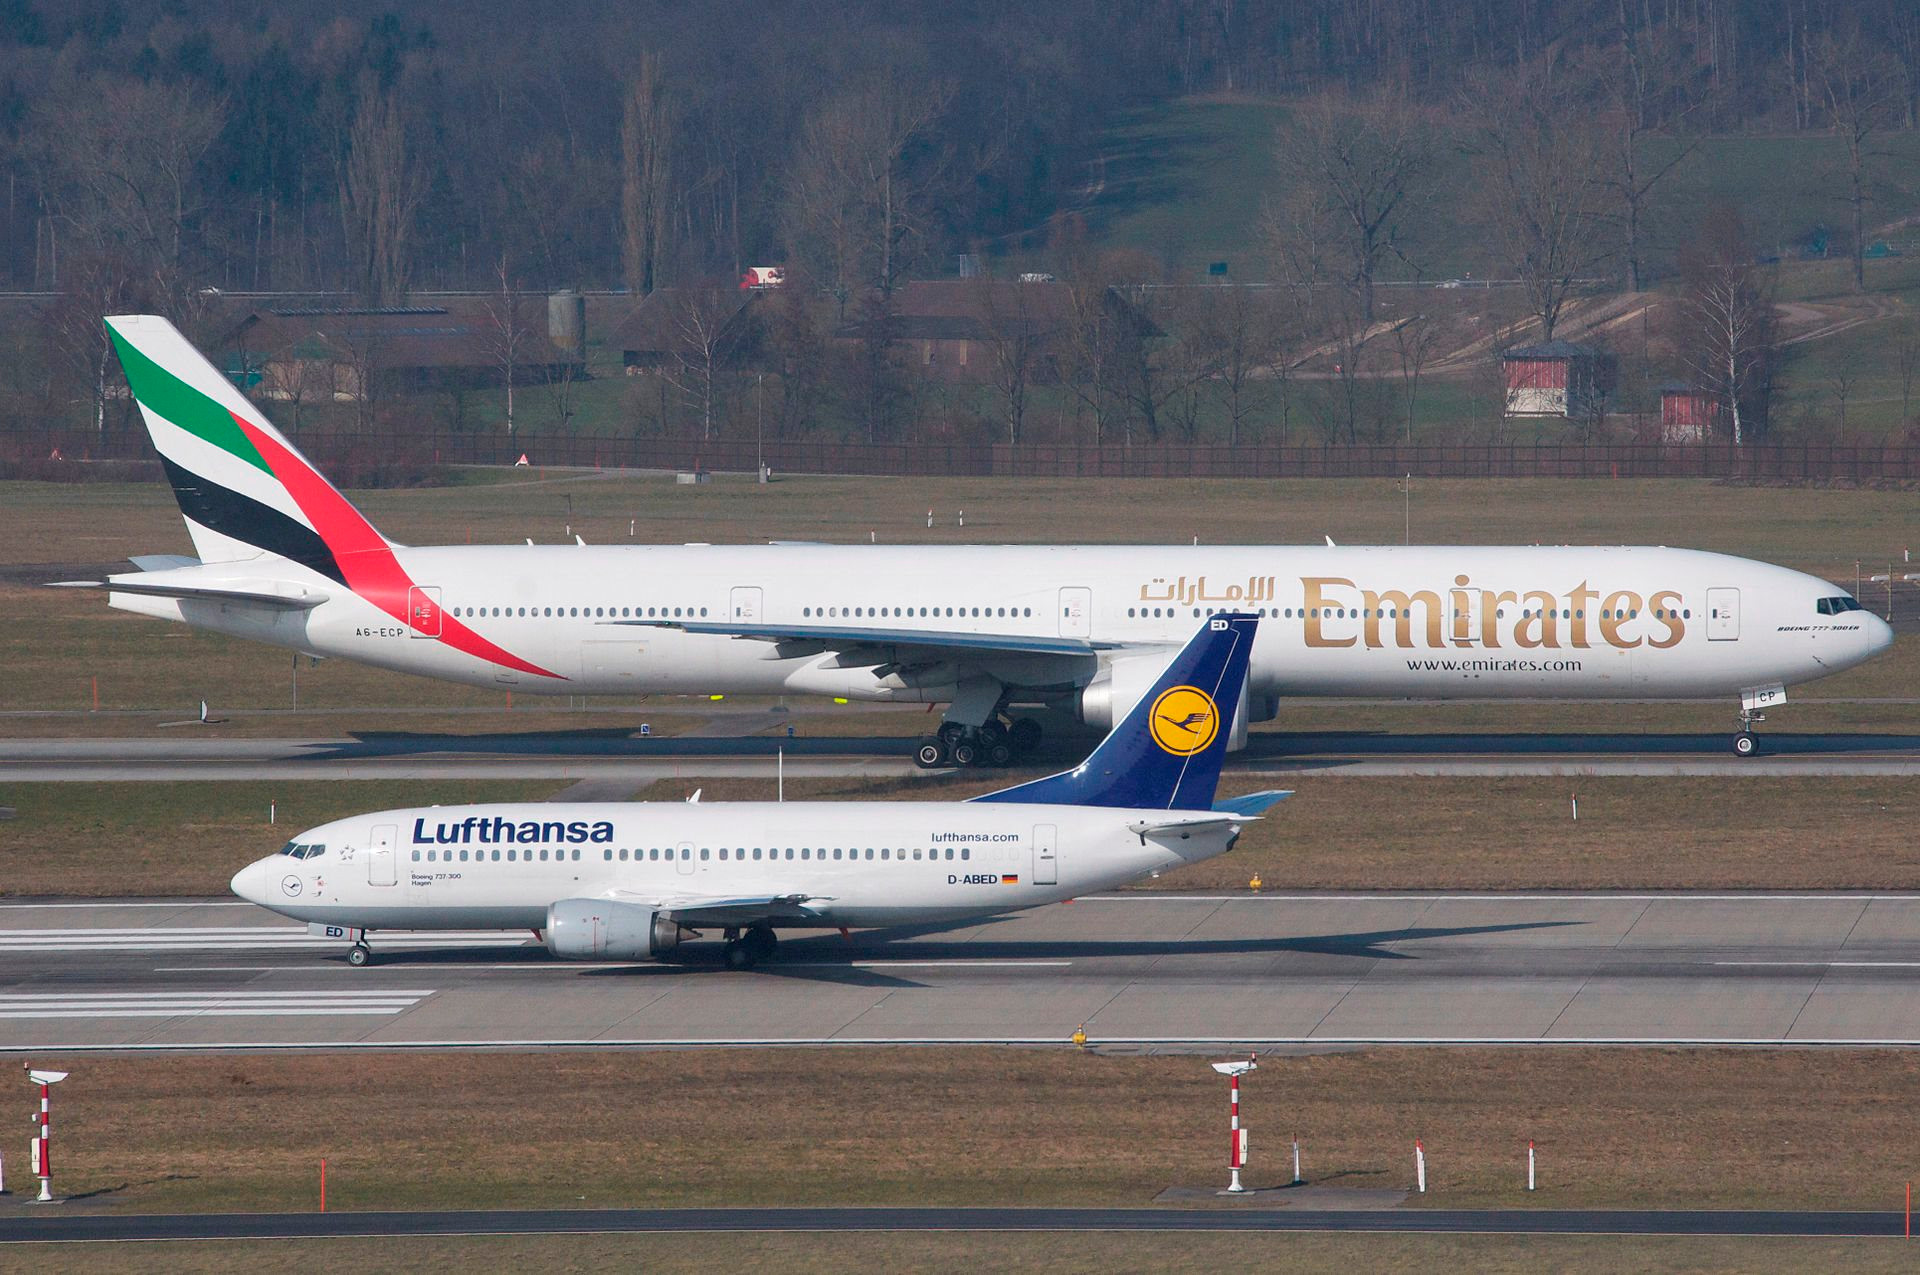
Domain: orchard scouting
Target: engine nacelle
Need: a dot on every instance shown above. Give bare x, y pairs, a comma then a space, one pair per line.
1115, 689
603, 930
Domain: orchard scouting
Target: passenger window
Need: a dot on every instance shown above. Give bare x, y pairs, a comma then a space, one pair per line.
703, 854
966, 852
416, 856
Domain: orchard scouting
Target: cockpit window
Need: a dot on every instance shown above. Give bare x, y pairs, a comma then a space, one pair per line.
1837, 606
300, 850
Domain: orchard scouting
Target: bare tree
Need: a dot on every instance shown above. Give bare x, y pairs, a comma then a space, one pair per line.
1305, 241
1907, 359
701, 321
1536, 157
1365, 166
861, 185
1241, 325
1641, 87
1726, 336
1415, 341
119, 161
1016, 330
507, 333
1863, 91
381, 185
646, 175
1842, 376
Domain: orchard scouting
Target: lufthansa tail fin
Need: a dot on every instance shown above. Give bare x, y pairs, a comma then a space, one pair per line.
1166, 754
243, 488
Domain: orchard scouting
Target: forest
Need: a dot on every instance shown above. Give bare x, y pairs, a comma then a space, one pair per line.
161, 152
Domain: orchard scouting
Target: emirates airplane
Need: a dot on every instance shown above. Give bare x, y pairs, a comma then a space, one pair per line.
625, 882
282, 557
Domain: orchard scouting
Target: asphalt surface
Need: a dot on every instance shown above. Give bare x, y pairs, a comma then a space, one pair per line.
47, 1226
198, 754
1142, 972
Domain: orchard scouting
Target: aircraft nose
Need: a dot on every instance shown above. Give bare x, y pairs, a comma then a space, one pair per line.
1879, 634
250, 882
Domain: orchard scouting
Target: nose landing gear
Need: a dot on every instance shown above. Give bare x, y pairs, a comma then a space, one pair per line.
360, 954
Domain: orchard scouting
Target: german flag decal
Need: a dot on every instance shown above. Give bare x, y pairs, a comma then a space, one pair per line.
1009, 879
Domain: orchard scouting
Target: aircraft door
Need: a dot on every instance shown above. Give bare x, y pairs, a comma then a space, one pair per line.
683, 859
1723, 615
746, 605
380, 865
423, 610
1046, 854
1076, 613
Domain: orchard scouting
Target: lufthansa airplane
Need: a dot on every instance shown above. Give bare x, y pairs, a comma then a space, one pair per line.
629, 881
282, 557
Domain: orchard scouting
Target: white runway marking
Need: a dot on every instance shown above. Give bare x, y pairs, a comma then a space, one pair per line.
1828, 965
160, 939
982, 963
229, 1004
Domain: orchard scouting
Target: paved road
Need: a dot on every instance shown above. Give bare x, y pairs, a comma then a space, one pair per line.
619, 755
1153, 972
205, 1226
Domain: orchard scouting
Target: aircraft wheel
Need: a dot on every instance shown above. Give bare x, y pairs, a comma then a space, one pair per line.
1745, 745
966, 753
760, 940
992, 733
1025, 735
1000, 754
951, 733
359, 954
930, 753
739, 956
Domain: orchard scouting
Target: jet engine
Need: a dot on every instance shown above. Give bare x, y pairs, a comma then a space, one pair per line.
601, 929
1115, 689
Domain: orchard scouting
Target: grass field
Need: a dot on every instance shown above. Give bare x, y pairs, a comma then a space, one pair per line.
1800, 1129
1335, 833
187, 838
1095, 1254
58, 644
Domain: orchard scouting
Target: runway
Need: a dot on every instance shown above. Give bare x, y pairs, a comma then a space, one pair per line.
621, 756
1158, 972
48, 1228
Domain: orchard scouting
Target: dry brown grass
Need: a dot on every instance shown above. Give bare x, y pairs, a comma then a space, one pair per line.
1802, 1129
188, 838
1092, 1254
1829, 832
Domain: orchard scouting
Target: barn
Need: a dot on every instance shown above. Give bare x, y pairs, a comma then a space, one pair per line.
1557, 378
1688, 414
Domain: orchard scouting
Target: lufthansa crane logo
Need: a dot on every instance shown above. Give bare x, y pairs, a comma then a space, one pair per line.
1184, 720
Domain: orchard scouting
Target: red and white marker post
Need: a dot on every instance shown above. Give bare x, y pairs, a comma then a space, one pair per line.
43, 1144
1237, 1148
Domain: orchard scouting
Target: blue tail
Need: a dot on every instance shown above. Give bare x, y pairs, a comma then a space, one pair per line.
1166, 755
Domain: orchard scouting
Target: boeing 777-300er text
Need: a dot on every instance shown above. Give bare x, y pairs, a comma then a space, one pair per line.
627, 881
284, 558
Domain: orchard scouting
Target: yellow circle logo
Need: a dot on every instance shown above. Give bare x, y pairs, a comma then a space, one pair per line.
1183, 720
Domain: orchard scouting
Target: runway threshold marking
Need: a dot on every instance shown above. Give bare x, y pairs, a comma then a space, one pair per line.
229, 1004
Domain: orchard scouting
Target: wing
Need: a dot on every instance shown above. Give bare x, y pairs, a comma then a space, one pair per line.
933, 642
714, 910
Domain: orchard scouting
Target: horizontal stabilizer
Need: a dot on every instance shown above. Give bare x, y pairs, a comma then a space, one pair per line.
1198, 823
162, 561
1253, 803
280, 597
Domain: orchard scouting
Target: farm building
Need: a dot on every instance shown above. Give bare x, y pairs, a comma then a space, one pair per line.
673, 326
1688, 414
343, 354
955, 329
1557, 378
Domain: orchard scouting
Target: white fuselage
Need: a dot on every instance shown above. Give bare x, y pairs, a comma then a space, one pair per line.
857, 863
1415, 622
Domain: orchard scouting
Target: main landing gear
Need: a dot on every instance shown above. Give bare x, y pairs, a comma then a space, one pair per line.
744, 951
995, 743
